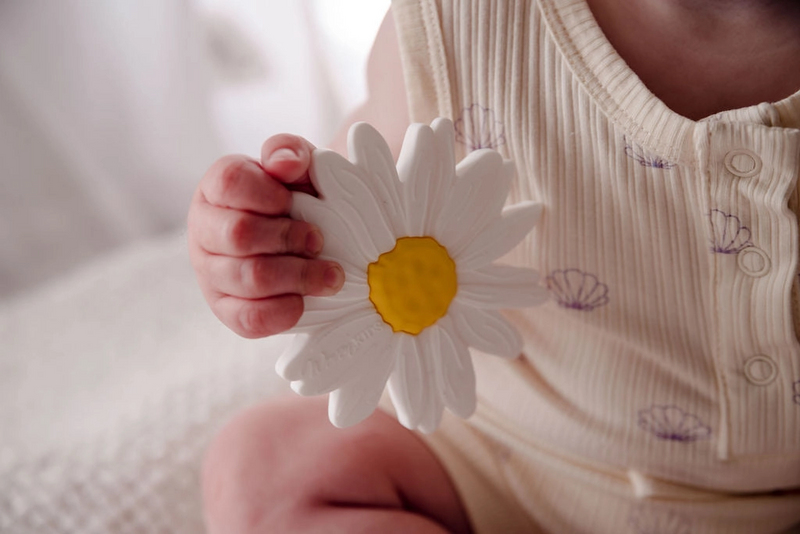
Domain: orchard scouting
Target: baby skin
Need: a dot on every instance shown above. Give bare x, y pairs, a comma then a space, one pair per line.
281, 466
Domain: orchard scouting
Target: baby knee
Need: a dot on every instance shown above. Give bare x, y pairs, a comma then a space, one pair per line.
248, 470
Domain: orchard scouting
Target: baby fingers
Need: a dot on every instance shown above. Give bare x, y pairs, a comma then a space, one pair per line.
258, 277
238, 233
240, 183
259, 318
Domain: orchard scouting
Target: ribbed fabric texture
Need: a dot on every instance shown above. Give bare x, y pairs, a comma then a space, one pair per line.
668, 246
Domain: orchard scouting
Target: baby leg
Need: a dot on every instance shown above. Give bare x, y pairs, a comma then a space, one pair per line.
282, 467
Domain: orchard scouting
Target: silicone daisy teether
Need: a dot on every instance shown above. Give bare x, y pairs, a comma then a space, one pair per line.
416, 242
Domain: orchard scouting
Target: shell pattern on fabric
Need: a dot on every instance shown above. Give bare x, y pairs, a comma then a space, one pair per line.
729, 235
343, 346
478, 128
672, 423
577, 290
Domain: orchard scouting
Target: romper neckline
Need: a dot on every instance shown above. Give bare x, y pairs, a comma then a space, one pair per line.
625, 99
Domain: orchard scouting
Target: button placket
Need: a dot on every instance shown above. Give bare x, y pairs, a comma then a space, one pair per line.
751, 317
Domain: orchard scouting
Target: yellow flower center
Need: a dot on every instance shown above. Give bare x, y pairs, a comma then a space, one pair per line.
412, 285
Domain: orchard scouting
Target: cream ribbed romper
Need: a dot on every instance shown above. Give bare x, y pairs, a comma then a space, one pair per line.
659, 390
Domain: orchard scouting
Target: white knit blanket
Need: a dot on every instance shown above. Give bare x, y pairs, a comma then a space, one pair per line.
112, 381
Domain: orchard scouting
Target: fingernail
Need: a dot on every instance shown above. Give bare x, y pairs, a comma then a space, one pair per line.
334, 277
314, 242
253, 166
284, 154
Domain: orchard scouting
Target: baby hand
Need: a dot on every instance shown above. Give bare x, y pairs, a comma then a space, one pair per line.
252, 261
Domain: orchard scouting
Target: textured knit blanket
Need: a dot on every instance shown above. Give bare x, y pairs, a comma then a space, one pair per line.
113, 379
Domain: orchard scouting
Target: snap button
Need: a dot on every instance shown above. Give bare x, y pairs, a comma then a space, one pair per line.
753, 261
743, 163
760, 370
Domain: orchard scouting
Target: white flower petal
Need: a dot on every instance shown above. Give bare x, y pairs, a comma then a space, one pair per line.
343, 187
353, 289
455, 376
321, 311
325, 361
408, 383
500, 236
432, 417
425, 181
485, 330
476, 199
369, 151
356, 400
500, 286
445, 136
433, 407
445, 174
348, 244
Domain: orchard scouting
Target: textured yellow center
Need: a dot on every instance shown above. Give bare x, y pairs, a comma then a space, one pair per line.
412, 285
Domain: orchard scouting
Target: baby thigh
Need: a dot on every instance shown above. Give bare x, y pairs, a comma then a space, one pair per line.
282, 467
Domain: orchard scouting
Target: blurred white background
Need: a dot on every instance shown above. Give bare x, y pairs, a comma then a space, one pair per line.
111, 110
114, 374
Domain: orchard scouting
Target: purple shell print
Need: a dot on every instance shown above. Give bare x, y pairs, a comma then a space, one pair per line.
672, 423
729, 235
577, 290
652, 522
477, 128
637, 153
796, 390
